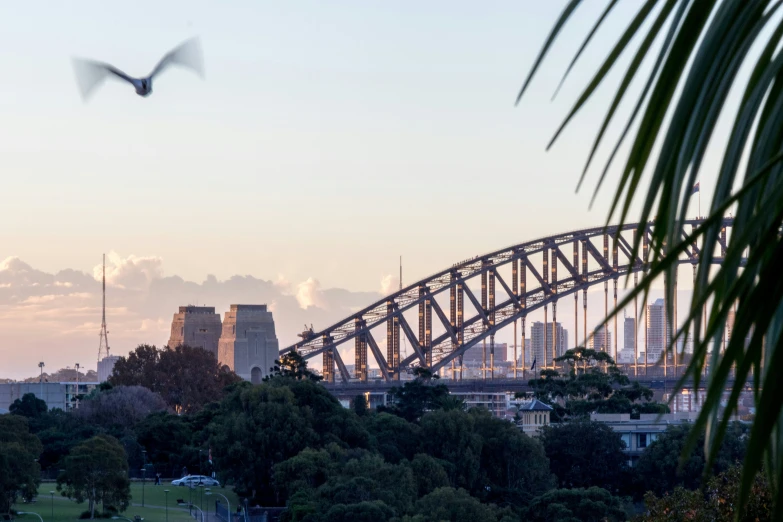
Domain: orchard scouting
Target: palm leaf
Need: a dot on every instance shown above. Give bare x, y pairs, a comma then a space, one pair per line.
700, 61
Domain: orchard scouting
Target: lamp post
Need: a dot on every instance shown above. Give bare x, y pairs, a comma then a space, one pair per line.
166, 491
41, 366
30, 513
228, 504
143, 475
77, 384
52, 494
201, 495
193, 505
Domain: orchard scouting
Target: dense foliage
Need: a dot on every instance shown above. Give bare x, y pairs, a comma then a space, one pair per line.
289, 442
19, 471
97, 471
187, 378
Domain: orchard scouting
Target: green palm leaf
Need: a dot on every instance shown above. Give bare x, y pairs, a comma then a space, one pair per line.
700, 48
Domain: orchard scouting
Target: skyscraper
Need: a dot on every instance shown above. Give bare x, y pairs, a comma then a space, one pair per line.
541, 356
629, 333
657, 333
598, 343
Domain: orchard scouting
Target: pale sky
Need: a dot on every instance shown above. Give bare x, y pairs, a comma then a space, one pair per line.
327, 139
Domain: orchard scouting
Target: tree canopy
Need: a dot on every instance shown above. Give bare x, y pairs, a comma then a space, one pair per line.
97, 471
584, 454
19, 469
592, 384
187, 378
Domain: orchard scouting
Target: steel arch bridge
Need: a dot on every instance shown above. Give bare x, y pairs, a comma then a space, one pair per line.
492, 303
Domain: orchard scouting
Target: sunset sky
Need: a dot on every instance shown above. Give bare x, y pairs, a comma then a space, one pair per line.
326, 140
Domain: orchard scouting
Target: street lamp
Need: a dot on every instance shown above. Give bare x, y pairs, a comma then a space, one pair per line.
29, 513
201, 496
210, 492
52, 494
143, 475
41, 366
166, 491
77, 384
195, 506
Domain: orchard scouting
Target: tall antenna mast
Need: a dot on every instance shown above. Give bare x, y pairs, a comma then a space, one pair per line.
103, 344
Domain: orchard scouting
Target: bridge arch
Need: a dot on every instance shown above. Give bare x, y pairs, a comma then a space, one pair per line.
500, 290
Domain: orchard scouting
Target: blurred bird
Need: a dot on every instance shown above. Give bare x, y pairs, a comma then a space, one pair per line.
90, 74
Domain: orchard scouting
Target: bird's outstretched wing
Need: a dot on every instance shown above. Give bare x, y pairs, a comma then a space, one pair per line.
90, 74
187, 54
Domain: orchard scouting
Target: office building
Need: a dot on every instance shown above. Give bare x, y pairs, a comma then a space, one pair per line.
60, 395
474, 356
658, 336
106, 367
559, 342
597, 341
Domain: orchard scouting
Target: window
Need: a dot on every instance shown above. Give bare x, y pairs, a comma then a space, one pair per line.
233, 329
182, 331
653, 437
626, 438
641, 440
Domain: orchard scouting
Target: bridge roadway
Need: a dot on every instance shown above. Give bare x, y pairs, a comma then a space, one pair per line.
481, 385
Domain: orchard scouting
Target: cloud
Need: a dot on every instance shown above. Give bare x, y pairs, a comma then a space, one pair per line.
389, 283
131, 272
308, 294
64, 309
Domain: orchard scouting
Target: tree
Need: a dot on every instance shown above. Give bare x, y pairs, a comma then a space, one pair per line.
593, 384
592, 504
19, 471
429, 474
122, 406
29, 406
360, 405
584, 454
260, 426
392, 436
293, 366
452, 504
659, 469
420, 395
716, 503
97, 471
187, 378
698, 48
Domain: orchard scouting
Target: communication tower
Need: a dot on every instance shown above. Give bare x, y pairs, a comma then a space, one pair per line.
103, 343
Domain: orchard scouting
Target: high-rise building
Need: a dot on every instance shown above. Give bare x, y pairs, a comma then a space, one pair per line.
248, 344
196, 326
629, 333
106, 367
657, 333
474, 356
597, 341
730, 327
560, 343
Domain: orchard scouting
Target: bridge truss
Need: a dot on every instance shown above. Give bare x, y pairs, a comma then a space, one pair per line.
468, 303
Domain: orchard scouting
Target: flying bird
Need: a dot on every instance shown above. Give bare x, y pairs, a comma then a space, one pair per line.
90, 74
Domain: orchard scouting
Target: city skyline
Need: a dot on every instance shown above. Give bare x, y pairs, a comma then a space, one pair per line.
211, 183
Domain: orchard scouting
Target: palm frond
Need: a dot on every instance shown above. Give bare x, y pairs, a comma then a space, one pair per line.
700, 49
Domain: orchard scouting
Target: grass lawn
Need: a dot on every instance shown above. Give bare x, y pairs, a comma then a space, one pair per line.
61, 509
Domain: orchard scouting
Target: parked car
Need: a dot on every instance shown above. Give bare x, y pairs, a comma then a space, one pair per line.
195, 480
